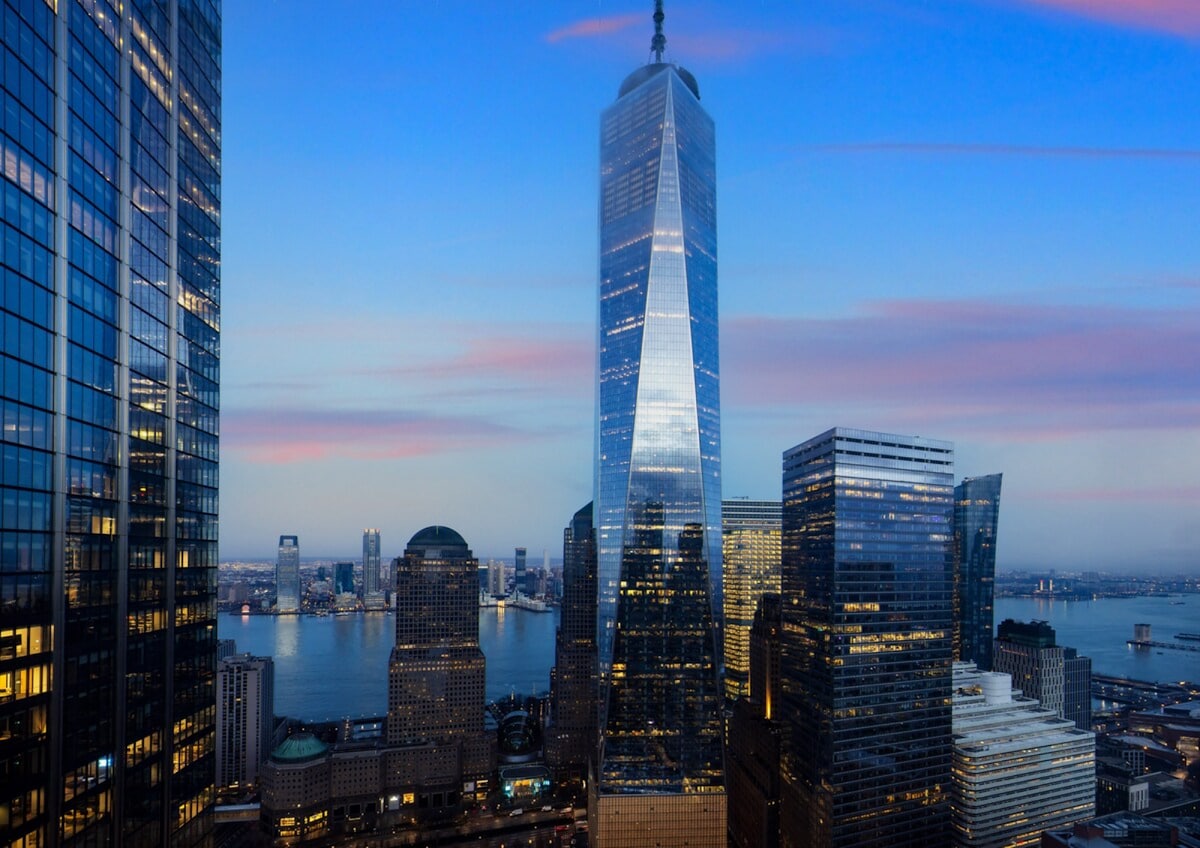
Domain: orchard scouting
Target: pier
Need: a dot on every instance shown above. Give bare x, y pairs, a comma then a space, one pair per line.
1174, 646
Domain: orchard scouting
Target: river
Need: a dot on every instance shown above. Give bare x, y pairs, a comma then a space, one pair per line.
330, 667
336, 666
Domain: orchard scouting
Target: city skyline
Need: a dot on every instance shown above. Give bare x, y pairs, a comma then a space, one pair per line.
971, 215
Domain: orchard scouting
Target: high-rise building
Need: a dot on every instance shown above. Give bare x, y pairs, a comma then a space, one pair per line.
865, 669
658, 488
1056, 676
245, 718
287, 575
756, 736
520, 579
1077, 689
343, 578
976, 515
372, 560
1019, 769
750, 535
496, 580
571, 739
436, 671
109, 354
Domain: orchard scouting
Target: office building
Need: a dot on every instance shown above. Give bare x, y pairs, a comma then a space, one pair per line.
343, 578
496, 579
976, 515
245, 718
750, 536
571, 738
658, 488
287, 575
1041, 668
866, 658
756, 736
1077, 689
520, 578
1019, 769
110, 151
436, 672
372, 586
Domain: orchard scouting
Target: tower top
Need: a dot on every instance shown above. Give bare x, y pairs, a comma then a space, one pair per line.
659, 43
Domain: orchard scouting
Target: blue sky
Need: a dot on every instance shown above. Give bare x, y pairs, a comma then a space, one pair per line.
974, 220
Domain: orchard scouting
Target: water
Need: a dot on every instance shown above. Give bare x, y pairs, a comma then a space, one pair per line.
335, 666
1099, 628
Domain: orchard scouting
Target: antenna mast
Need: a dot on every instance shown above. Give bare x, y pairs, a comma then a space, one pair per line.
659, 43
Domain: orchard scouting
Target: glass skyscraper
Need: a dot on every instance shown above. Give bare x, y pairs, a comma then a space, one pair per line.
658, 488
372, 584
976, 514
751, 540
866, 657
109, 368
287, 575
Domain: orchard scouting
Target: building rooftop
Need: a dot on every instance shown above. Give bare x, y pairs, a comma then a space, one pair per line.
299, 748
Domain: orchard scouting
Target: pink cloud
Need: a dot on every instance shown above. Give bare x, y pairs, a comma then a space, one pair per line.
281, 436
980, 367
1176, 17
513, 363
595, 27
1005, 150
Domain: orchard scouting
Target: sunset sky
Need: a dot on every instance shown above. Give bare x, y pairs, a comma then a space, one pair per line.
975, 220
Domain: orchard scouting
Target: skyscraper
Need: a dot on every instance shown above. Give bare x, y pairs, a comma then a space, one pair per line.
110, 145
750, 535
343, 578
658, 490
287, 575
520, 579
571, 741
866, 657
976, 515
245, 717
372, 585
1019, 769
436, 672
1041, 668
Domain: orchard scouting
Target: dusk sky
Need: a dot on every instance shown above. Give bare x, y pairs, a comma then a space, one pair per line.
974, 220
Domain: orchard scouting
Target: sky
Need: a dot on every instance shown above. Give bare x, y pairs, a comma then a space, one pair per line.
973, 220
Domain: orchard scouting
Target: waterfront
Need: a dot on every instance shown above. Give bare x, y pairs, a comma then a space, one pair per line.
330, 667
1098, 629
335, 666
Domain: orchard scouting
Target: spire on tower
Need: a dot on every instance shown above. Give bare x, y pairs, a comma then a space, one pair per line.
659, 43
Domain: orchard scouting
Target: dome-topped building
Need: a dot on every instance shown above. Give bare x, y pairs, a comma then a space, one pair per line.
436, 537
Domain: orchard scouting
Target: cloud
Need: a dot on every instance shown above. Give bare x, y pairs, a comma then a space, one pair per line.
281, 436
511, 364
595, 27
986, 368
1175, 17
969, 149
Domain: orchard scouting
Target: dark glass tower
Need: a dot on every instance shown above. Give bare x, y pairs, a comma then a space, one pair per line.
571, 743
976, 515
436, 671
287, 575
658, 491
109, 358
866, 655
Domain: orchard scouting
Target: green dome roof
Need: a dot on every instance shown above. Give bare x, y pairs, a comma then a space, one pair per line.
299, 748
436, 537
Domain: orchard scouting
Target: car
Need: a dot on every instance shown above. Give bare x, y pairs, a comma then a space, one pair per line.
517, 812
547, 808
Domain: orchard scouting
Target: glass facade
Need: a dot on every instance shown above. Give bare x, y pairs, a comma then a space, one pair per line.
110, 151
571, 742
658, 489
751, 533
287, 575
372, 585
865, 670
976, 514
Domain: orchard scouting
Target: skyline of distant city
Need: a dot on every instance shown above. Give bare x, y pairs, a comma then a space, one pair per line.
963, 223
